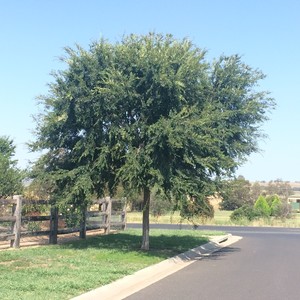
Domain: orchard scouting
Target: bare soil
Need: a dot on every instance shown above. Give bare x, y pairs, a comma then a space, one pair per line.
36, 241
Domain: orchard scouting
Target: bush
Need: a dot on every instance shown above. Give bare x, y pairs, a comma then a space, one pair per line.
279, 208
285, 210
35, 209
245, 212
262, 207
276, 206
72, 215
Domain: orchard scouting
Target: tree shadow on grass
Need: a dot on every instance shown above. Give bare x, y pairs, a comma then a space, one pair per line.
163, 246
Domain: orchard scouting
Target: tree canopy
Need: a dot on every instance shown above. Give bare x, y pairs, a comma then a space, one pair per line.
148, 111
10, 176
235, 193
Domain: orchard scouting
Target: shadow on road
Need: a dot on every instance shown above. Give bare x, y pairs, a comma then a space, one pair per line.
222, 253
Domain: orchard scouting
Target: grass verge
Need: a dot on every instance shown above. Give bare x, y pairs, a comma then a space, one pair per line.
64, 271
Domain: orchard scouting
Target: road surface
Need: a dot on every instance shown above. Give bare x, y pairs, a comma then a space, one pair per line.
264, 265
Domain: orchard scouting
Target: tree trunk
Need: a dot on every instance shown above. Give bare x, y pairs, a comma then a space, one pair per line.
146, 211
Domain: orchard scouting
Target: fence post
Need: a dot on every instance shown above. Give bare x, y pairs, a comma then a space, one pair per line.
17, 212
108, 215
82, 232
13, 210
53, 225
103, 211
104, 215
123, 216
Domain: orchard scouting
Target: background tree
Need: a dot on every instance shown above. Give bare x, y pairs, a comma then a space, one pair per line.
256, 191
10, 175
159, 204
280, 188
236, 193
148, 111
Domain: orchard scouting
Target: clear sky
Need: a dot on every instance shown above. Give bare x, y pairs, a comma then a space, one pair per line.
266, 34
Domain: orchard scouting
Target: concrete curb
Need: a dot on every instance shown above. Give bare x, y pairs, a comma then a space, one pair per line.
130, 284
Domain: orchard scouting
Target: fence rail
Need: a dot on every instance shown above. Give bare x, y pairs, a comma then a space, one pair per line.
103, 220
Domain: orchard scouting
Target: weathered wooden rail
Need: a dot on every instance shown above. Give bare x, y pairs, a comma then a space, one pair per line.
101, 219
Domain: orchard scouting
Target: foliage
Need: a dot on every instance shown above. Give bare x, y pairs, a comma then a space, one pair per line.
35, 189
238, 191
235, 193
195, 208
275, 206
10, 175
148, 111
159, 204
246, 211
256, 191
280, 188
72, 215
280, 208
262, 207
284, 211
34, 209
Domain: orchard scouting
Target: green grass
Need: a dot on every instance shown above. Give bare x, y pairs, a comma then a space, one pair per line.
64, 271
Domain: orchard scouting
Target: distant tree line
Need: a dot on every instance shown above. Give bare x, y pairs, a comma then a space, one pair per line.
252, 201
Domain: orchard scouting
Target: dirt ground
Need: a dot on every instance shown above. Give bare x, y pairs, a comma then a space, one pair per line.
37, 241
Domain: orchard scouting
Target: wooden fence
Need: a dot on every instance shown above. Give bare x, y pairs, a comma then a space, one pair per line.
102, 216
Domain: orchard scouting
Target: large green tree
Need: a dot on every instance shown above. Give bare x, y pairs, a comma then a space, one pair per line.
148, 111
10, 175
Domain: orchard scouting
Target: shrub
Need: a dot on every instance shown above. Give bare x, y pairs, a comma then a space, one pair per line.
262, 207
285, 210
276, 206
246, 211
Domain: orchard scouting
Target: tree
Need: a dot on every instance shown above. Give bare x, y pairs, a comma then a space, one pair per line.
262, 207
280, 188
236, 193
256, 191
280, 208
10, 176
276, 206
148, 111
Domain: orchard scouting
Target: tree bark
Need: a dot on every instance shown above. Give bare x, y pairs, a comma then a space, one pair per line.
82, 232
146, 212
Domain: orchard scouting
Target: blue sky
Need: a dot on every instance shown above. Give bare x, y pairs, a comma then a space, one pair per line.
266, 33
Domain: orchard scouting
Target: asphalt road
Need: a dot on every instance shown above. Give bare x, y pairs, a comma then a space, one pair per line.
265, 264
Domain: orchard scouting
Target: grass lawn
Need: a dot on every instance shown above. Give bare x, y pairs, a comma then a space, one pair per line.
64, 271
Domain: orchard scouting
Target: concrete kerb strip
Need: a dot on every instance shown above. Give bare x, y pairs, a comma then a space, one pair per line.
131, 284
